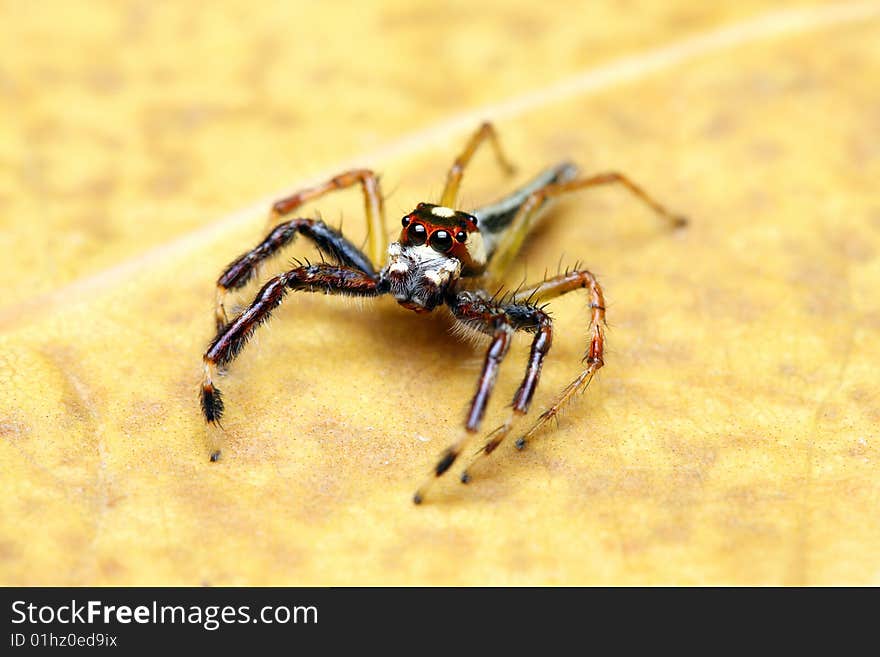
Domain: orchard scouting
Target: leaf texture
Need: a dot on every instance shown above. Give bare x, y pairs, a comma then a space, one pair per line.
730, 439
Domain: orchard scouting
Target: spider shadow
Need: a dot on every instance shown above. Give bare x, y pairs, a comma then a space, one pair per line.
412, 352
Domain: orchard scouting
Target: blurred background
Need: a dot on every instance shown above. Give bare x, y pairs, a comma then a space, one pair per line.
731, 437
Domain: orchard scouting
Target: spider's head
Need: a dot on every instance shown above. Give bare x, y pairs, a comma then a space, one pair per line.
436, 246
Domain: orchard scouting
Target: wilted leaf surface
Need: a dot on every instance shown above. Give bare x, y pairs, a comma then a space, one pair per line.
731, 438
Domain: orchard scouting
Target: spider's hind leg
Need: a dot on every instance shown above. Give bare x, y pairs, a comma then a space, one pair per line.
508, 243
374, 207
486, 131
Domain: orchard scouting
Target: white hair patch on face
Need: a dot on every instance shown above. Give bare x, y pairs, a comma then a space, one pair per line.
434, 277
441, 211
398, 268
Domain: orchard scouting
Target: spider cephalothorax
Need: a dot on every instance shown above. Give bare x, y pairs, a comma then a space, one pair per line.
437, 245
439, 249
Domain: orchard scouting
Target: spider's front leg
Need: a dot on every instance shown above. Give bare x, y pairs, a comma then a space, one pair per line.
593, 359
328, 241
233, 337
500, 321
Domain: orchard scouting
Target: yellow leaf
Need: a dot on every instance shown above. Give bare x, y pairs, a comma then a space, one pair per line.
731, 438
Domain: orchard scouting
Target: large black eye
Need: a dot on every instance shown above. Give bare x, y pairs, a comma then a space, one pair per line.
441, 241
417, 234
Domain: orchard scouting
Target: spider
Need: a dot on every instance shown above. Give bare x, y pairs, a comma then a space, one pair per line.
443, 257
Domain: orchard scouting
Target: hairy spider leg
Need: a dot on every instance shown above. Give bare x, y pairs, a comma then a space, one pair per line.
505, 226
511, 240
232, 338
375, 214
374, 205
486, 131
499, 320
329, 242
592, 360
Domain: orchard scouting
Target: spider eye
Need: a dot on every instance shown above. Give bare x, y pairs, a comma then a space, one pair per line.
405, 221
461, 236
441, 241
417, 234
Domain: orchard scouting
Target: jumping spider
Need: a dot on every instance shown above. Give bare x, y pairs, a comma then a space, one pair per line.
443, 256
